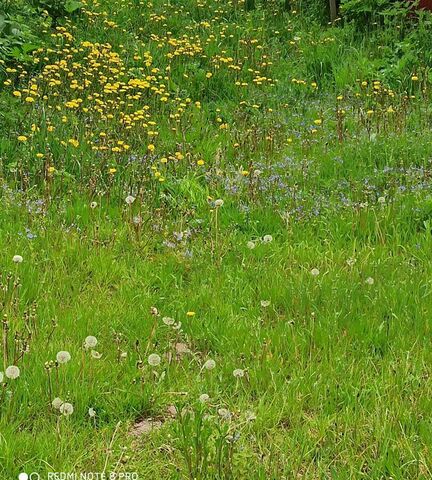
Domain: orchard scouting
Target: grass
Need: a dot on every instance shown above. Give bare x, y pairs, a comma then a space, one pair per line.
308, 285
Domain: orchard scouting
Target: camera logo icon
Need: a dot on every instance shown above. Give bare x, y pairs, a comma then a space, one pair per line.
31, 476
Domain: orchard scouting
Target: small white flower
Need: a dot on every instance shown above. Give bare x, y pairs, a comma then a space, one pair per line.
370, 281
17, 259
238, 373
154, 359
92, 412
219, 202
93, 205
63, 357
224, 413
250, 245
267, 238
168, 321
12, 372
381, 200
57, 403
209, 364
66, 409
204, 398
1, 377
95, 354
265, 303
129, 199
90, 342
315, 272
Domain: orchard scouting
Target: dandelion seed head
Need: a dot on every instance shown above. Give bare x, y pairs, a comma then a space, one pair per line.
224, 413
63, 357
168, 321
12, 372
154, 359
90, 341
210, 364
66, 409
57, 403
204, 398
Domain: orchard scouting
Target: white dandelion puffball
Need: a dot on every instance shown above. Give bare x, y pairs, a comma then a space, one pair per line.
168, 321
63, 357
12, 372
92, 412
265, 303
370, 281
66, 409
224, 413
129, 199
154, 359
239, 373
57, 403
219, 202
267, 238
315, 272
17, 259
95, 354
1, 377
250, 245
209, 364
90, 342
204, 398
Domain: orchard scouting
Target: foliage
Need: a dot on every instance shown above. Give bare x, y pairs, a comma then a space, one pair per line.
365, 12
23, 23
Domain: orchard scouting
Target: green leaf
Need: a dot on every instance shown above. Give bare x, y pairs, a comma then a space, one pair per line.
72, 5
29, 47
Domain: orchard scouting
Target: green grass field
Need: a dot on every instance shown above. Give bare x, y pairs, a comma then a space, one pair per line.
237, 206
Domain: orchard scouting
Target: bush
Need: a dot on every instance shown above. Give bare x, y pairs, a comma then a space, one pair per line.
19, 27
381, 11
22, 24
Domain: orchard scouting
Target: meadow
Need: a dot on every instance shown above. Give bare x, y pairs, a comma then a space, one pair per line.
216, 237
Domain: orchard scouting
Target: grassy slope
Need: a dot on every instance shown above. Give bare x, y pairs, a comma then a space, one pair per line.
337, 367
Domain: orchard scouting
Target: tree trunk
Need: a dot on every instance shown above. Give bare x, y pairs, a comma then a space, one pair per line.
333, 10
